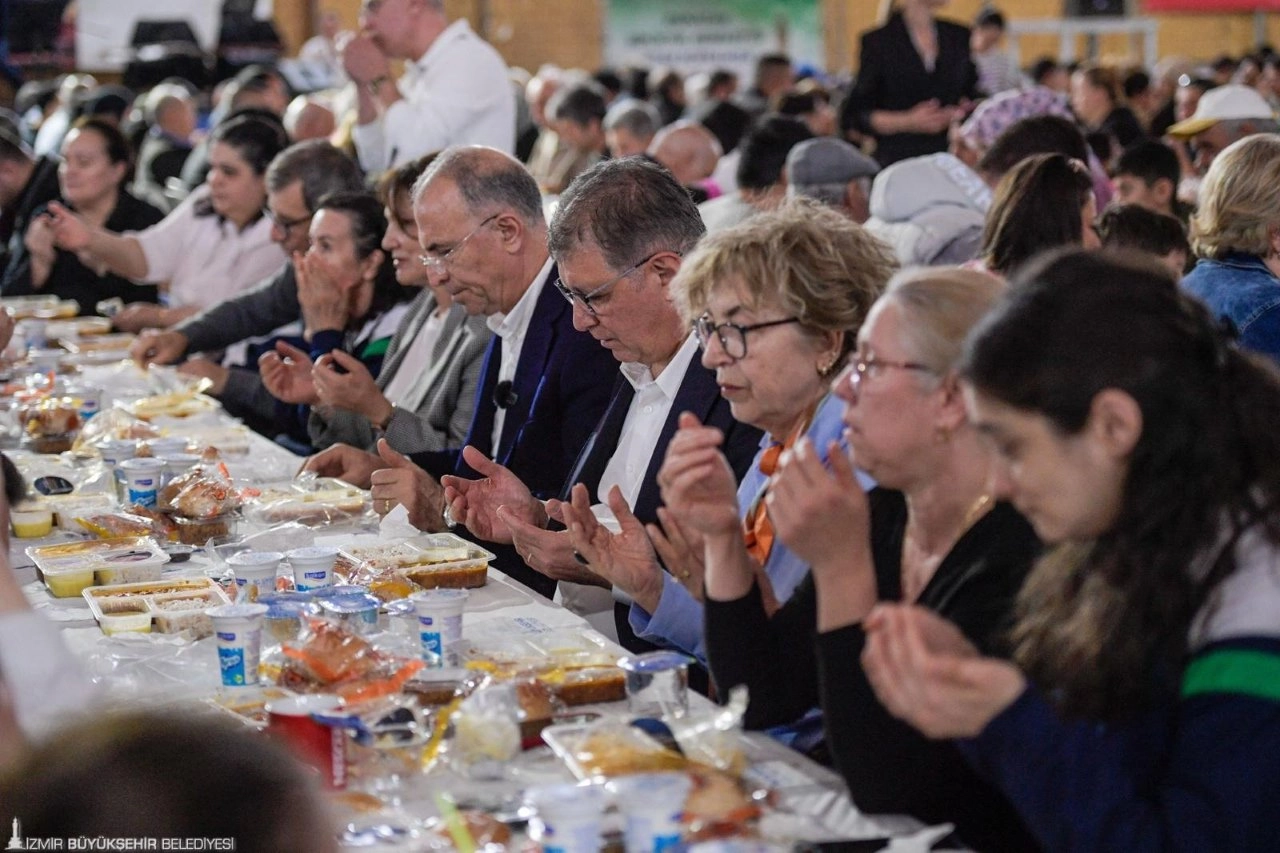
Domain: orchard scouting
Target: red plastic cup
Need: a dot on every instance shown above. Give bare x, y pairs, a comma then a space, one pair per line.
323, 747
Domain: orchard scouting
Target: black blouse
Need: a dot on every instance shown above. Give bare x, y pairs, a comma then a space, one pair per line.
789, 668
71, 279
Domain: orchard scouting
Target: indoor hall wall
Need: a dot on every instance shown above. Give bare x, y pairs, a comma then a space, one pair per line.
568, 33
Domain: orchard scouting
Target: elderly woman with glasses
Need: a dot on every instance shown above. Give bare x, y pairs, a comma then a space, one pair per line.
775, 303
930, 533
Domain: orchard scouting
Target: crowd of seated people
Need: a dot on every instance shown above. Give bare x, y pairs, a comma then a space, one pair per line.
936, 406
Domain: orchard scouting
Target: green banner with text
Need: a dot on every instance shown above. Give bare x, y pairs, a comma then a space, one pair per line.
710, 34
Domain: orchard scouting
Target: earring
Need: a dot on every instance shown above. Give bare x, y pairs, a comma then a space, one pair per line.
830, 368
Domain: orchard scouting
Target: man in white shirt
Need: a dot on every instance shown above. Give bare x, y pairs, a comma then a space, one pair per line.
454, 90
618, 238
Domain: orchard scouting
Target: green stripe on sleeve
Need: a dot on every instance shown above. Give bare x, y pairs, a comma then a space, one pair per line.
1239, 671
376, 348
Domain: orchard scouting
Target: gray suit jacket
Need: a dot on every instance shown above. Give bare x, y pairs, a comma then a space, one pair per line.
440, 405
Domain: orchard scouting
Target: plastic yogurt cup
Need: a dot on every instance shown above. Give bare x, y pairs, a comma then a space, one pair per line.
142, 480
312, 567
439, 622
255, 573
238, 630
652, 804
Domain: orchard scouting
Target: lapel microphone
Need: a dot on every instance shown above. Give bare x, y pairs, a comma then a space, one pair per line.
504, 396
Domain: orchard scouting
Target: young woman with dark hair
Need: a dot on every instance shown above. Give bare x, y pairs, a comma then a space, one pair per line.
1143, 712
350, 299
1044, 202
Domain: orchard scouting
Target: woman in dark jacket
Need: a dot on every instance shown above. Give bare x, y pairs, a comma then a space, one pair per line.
95, 162
916, 77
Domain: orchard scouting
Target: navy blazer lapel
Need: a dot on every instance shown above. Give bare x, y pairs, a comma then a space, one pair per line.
589, 467
698, 394
539, 341
481, 434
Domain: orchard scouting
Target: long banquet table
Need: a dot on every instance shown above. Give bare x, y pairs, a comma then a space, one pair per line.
175, 672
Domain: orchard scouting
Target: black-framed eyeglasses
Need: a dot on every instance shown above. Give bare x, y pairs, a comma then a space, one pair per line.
574, 296
286, 225
732, 336
438, 262
862, 367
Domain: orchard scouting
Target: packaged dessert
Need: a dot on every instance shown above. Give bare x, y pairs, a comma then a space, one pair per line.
314, 502
435, 561
50, 425
329, 658
608, 749
136, 521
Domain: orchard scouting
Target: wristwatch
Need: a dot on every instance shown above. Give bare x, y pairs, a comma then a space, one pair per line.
376, 83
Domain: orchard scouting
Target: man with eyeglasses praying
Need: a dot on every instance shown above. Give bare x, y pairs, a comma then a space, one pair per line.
544, 384
618, 238
454, 90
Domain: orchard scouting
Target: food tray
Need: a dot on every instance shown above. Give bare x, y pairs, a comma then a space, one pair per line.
118, 343
133, 606
313, 503
43, 307
439, 560
607, 749
175, 405
249, 705
70, 567
81, 327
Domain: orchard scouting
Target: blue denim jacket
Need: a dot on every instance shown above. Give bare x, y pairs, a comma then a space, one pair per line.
1241, 288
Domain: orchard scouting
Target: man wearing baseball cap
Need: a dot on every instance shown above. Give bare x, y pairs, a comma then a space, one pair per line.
833, 172
1223, 116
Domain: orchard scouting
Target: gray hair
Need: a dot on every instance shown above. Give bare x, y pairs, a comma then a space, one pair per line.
831, 194
320, 167
1239, 128
939, 306
638, 118
629, 208
486, 178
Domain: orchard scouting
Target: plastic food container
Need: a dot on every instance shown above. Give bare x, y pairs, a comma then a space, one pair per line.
31, 523
198, 531
70, 567
127, 617
358, 612
284, 614
175, 605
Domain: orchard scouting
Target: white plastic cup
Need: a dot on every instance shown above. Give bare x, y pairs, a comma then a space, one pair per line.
116, 451
45, 359
651, 804
255, 573
312, 567
177, 464
657, 684
238, 629
570, 817
172, 445
90, 398
142, 480
439, 623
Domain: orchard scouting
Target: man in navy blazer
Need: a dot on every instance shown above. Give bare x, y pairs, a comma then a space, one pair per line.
618, 237
543, 385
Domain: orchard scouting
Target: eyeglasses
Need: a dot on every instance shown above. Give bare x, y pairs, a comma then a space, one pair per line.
732, 337
584, 299
860, 368
286, 225
438, 262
